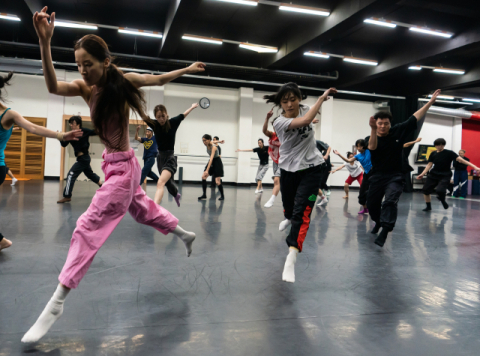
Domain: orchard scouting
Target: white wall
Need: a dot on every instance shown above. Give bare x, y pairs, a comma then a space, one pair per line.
235, 115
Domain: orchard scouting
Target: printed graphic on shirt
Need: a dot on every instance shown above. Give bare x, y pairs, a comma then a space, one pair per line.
148, 144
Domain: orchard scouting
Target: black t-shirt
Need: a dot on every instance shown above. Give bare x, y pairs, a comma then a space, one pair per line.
460, 166
323, 148
82, 145
388, 156
442, 162
262, 154
166, 140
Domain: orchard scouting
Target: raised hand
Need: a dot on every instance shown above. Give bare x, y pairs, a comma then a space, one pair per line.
418, 139
269, 114
328, 92
435, 95
420, 176
72, 135
43, 28
223, 141
196, 67
194, 105
138, 128
336, 152
373, 123
315, 121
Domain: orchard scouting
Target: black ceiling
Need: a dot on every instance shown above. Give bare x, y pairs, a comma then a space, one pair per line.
343, 33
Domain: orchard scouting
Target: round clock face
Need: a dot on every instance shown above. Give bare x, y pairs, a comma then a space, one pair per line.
204, 103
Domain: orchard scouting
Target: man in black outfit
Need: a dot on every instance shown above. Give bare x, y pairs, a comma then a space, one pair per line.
387, 180
80, 149
440, 175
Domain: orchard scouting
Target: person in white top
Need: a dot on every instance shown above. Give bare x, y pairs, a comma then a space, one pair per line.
355, 171
300, 164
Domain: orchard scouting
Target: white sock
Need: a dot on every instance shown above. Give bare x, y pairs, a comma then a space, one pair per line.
269, 203
50, 314
187, 238
14, 180
289, 268
284, 224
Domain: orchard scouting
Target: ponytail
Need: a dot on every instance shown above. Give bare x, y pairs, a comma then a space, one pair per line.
4, 80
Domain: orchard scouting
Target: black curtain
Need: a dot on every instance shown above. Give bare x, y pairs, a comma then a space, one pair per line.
401, 111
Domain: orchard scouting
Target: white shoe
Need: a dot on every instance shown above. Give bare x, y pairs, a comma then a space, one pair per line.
14, 180
284, 224
323, 201
328, 192
269, 203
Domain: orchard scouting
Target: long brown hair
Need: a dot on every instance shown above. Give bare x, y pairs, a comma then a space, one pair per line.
4, 80
110, 108
165, 127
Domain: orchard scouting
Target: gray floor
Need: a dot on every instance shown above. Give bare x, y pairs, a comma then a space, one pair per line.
419, 295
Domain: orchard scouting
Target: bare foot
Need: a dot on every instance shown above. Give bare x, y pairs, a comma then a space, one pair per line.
345, 197
5, 244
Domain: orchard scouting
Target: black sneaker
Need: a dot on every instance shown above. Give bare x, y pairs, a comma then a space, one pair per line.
203, 197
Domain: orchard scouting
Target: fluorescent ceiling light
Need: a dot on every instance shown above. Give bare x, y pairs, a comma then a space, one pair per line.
360, 61
472, 100
316, 54
380, 23
258, 48
74, 25
242, 2
8, 17
444, 97
431, 32
415, 68
202, 39
141, 33
449, 71
304, 9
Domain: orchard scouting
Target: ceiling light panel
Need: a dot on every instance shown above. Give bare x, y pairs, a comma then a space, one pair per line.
59, 23
316, 54
367, 62
444, 97
304, 9
379, 22
415, 68
258, 48
241, 2
140, 33
471, 100
431, 32
6, 16
449, 71
215, 41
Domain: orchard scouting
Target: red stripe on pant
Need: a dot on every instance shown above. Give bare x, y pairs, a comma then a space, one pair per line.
304, 227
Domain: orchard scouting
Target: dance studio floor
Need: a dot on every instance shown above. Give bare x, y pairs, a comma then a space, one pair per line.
419, 295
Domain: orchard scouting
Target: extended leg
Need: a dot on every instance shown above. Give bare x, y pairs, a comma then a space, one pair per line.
164, 178
77, 168
375, 195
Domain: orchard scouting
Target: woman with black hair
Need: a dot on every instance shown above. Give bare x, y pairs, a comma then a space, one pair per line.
355, 172
300, 163
111, 95
214, 167
262, 152
9, 118
82, 165
165, 130
439, 176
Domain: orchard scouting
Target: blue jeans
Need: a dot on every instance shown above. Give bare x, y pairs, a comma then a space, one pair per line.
147, 170
460, 184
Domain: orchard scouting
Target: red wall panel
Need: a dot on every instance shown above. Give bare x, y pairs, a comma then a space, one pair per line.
471, 140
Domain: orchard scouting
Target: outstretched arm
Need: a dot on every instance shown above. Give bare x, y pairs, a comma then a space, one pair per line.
137, 138
423, 110
465, 162
15, 117
425, 171
408, 144
239, 150
44, 31
310, 115
189, 110
348, 160
146, 80
265, 130
339, 168
217, 142
372, 142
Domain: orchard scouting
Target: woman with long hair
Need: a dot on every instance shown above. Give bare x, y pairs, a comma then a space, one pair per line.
9, 118
300, 164
214, 167
110, 94
165, 130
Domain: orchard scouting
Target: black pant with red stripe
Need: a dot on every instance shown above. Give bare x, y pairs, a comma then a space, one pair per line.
299, 193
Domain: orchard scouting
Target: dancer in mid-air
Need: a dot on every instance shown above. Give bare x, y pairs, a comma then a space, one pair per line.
110, 94
300, 163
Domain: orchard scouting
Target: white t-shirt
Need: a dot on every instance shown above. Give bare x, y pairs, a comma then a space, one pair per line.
354, 170
298, 149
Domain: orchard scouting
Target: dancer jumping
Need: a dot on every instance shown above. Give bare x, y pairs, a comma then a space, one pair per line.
387, 180
110, 95
82, 165
300, 163
355, 172
165, 130
214, 167
439, 176
150, 152
10, 117
262, 152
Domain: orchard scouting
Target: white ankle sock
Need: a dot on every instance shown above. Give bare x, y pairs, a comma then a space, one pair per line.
289, 268
270, 202
284, 224
187, 238
14, 180
50, 314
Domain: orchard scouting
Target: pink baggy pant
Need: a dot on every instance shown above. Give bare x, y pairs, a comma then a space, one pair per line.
121, 192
